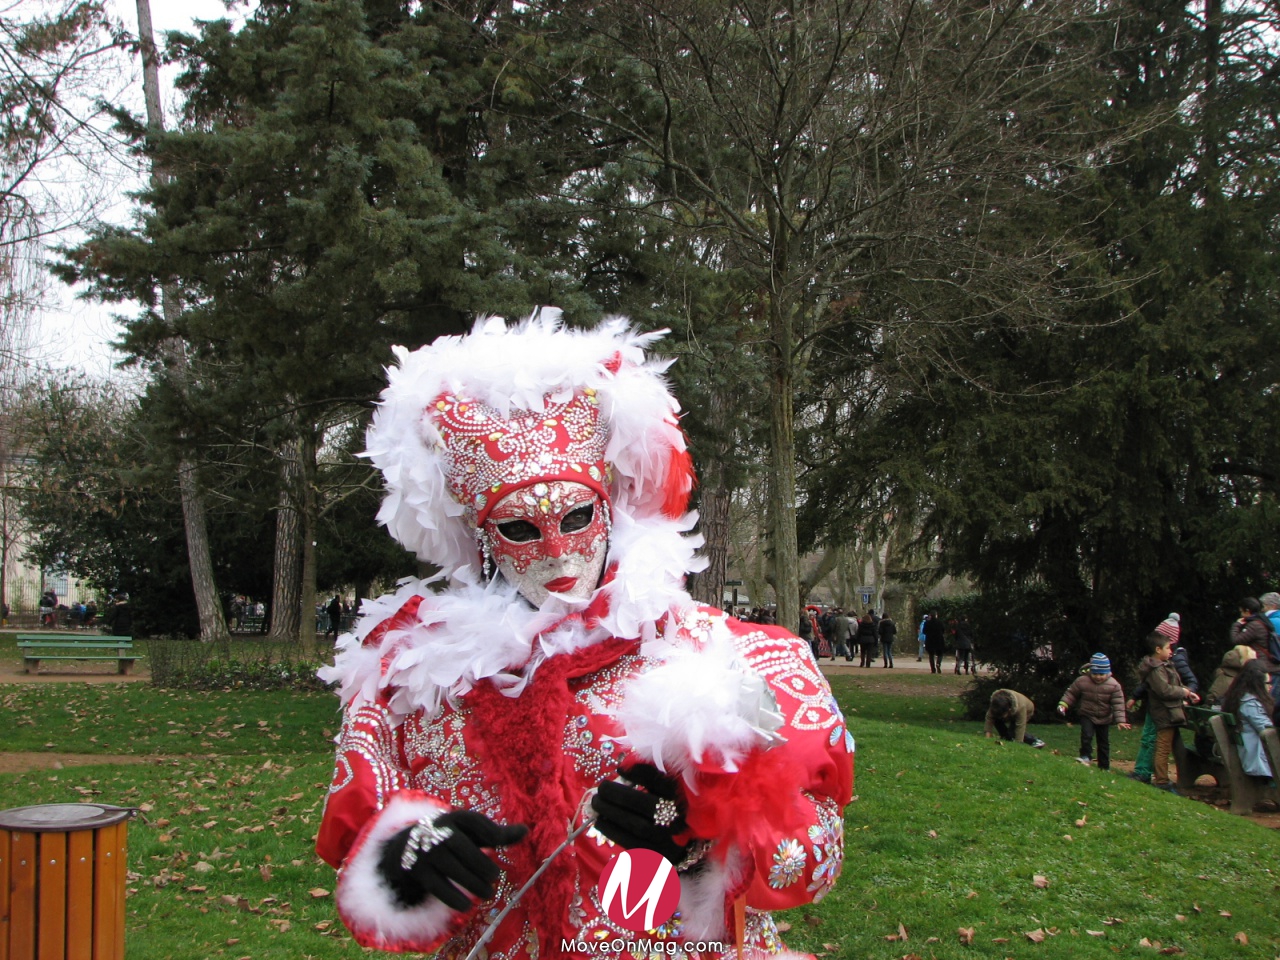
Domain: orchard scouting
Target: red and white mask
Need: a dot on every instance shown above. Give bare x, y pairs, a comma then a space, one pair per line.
550, 537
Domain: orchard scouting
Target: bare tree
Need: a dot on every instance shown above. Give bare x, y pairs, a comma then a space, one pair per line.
831, 144
213, 625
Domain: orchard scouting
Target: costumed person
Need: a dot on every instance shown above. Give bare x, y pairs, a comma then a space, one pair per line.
556, 682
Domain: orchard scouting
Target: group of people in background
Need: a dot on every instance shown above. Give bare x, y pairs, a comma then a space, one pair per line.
1245, 685
835, 633
934, 635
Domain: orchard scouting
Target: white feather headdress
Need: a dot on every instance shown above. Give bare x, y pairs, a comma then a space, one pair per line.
518, 369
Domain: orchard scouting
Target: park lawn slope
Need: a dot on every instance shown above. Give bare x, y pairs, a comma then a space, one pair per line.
949, 832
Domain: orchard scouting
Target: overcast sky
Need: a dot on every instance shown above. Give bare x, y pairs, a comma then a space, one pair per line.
74, 333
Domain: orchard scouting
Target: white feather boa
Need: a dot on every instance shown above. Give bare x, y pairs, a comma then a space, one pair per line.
473, 631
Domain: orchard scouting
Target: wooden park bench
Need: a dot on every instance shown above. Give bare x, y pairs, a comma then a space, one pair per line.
1202, 756
1246, 792
75, 646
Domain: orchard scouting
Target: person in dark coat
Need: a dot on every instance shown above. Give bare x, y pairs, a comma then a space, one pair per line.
963, 638
888, 633
935, 641
868, 637
119, 616
334, 610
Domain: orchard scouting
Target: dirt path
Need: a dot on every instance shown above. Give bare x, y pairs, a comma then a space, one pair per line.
25, 762
88, 671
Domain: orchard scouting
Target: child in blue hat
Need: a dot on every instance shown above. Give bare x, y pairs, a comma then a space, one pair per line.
1099, 701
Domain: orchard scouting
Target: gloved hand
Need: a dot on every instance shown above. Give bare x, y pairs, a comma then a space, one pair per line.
454, 862
650, 817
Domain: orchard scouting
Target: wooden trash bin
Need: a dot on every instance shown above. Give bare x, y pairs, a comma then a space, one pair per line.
62, 881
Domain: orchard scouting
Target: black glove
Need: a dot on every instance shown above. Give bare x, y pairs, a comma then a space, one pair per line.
628, 815
456, 862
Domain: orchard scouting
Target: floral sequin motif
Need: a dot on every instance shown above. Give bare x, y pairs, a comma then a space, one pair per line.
827, 839
788, 864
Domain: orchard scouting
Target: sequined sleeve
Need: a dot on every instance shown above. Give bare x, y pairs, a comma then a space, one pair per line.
798, 847
367, 771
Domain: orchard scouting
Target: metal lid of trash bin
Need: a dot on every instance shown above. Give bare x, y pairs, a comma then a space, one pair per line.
63, 817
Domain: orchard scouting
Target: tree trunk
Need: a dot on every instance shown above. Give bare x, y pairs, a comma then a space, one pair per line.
310, 523
286, 586
713, 512
782, 476
213, 625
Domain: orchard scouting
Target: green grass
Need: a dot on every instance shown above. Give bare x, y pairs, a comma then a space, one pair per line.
138, 718
949, 831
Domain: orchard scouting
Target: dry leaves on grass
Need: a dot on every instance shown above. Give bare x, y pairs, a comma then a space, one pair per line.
1040, 881
966, 935
900, 935
1035, 936
1242, 937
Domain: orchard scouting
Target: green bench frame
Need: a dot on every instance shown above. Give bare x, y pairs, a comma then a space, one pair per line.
1224, 766
36, 647
1246, 792
1191, 763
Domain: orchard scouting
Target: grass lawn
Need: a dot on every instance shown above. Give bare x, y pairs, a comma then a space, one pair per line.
944, 843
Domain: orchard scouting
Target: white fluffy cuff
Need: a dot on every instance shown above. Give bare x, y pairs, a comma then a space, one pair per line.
368, 906
700, 707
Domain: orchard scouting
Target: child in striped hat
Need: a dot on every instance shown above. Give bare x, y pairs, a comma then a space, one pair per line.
1099, 701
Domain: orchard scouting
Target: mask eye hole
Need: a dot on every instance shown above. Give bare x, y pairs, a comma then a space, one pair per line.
519, 531
578, 519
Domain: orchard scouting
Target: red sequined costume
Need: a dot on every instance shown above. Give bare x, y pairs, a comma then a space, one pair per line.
472, 699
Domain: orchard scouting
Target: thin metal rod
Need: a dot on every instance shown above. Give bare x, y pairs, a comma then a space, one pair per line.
515, 898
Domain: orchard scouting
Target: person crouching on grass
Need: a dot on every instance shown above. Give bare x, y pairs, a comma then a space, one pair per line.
1008, 715
1165, 699
1101, 703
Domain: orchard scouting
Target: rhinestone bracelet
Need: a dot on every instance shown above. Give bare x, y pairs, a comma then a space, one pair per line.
424, 836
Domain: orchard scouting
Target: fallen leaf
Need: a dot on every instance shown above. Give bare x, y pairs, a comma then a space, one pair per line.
1082, 821
1180, 918
971, 894
902, 932
1224, 913
932, 834
318, 893
1040, 880
203, 866
1196, 908
1242, 937
812, 921
966, 935
891, 937
264, 871
323, 925
1096, 933
999, 939
1035, 936
1066, 837
1172, 951
934, 940
1112, 921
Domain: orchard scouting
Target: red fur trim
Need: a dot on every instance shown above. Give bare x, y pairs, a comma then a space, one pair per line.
520, 743
746, 811
678, 485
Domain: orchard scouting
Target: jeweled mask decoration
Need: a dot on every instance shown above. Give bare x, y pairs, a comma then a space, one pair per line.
488, 456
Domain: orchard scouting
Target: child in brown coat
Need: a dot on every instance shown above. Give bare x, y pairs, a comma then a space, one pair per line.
1101, 703
1165, 697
